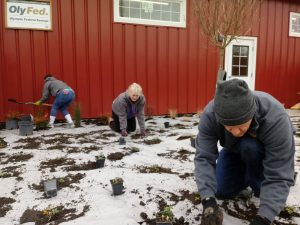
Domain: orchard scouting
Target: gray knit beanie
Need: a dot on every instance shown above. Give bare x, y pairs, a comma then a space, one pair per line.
234, 103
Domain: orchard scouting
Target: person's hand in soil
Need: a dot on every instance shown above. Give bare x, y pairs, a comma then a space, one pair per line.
258, 220
212, 214
124, 133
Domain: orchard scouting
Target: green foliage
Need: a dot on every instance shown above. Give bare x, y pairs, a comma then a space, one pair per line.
166, 214
289, 209
50, 213
134, 149
117, 180
100, 156
77, 115
154, 168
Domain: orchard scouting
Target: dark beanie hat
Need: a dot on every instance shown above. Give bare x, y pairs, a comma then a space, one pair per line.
234, 103
47, 75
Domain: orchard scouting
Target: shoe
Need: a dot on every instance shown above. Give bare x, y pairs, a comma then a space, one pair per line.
51, 125
71, 125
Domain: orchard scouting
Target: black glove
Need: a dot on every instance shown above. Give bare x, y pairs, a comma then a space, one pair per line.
212, 214
258, 220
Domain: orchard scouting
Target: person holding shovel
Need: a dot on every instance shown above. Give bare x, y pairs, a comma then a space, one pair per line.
258, 151
125, 108
64, 96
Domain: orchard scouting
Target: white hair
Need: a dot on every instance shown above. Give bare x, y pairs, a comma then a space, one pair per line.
135, 89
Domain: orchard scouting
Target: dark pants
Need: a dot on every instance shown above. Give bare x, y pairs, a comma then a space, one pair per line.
115, 125
240, 168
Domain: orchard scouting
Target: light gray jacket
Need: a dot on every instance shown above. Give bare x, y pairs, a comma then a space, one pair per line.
273, 128
51, 87
122, 106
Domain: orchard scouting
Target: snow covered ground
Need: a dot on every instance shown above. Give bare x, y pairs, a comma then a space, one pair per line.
158, 174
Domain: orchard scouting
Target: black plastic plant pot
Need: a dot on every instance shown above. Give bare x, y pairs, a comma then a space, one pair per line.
193, 142
50, 188
11, 124
100, 163
25, 128
163, 223
26, 118
167, 124
122, 141
117, 189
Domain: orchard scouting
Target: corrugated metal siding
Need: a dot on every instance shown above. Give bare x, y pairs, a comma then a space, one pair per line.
99, 59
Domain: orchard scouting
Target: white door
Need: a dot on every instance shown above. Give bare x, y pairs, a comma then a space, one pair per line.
240, 60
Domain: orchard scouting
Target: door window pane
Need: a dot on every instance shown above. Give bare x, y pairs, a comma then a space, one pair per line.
240, 60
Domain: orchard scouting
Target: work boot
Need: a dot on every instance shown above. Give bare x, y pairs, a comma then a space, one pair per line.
71, 125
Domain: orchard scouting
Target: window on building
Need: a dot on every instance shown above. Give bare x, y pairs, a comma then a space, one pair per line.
294, 24
151, 12
240, 59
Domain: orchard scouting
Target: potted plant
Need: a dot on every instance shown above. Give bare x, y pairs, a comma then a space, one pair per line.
100, 159
25, 128
193, 142
117, 185
167, 124
12, 120
41, 120
165, 217
50, 188
122, 141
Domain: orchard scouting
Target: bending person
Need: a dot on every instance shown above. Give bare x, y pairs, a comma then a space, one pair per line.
126, 107
64, 96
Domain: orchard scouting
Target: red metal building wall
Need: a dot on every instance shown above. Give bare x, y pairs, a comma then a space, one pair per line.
99, 58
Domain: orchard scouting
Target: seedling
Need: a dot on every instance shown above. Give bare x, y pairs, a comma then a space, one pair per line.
117, 185
173, 113
51, 212
117, 180
100, 156
77, 114
165, 217
134, 149
100, 159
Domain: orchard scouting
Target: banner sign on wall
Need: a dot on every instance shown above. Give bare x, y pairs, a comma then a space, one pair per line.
32, 15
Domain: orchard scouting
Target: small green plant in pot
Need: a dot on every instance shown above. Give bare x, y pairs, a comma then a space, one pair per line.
117, 186
165, 217
100, 159
12, 118
77, 115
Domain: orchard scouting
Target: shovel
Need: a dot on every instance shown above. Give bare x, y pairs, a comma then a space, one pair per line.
26, 103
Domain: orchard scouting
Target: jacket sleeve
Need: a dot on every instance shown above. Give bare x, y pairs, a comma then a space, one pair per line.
122, 113
141, 114
277, 137
46, 92
206, 156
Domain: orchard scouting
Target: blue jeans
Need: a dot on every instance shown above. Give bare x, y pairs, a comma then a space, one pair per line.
240, 168
62, 101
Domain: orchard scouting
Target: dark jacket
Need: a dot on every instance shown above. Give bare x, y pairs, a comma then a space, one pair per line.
126, 109
273, 128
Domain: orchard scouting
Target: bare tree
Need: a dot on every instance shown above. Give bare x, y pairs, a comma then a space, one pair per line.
223, 20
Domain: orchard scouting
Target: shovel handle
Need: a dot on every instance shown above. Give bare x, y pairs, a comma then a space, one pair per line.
43, 104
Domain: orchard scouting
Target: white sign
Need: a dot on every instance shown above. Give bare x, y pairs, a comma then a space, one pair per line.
28, 14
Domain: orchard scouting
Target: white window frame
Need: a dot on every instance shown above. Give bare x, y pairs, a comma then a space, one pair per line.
182, 23
291, 32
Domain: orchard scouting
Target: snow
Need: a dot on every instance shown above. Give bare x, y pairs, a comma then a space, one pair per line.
94, 190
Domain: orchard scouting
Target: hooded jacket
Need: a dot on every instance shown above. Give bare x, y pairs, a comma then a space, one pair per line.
273, 128
127, 109
51, 87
